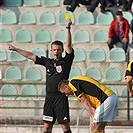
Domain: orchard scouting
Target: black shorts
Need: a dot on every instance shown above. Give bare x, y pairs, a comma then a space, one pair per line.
56, 107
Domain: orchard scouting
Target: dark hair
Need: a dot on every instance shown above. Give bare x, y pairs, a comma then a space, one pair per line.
57, 43
119, 13
62, 83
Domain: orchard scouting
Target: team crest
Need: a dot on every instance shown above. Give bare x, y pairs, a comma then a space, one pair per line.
59, 69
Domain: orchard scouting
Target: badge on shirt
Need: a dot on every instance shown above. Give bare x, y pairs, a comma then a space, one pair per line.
59, 69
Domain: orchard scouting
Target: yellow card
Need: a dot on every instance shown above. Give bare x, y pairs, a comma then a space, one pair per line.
67, 16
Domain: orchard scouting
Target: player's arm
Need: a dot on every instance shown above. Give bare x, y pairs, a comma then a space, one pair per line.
68, 46
27, 54
87, 106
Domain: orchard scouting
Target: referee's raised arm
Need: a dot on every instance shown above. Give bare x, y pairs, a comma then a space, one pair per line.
68, 46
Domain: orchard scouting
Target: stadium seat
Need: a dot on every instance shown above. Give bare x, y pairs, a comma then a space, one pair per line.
13, 73
117, 55
23, 36
9, 90
113, 74
128, 16
104, 18
39, 52
29, 91
27, 17
60, 35
75, 71
94, 72
80, 55
47, 18
32, 3
124, 94
97, 55
0, 74
13, 2
43, 91
62, 19
113, 88
81, 36
52, 3
33, 74
86, 18
15, 56
3, 54
100, 36
42, 36
8, 17
5, 35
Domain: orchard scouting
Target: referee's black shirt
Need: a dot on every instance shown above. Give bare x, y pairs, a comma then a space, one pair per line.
56, 71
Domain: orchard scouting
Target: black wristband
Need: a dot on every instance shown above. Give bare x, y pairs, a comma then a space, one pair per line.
68, 28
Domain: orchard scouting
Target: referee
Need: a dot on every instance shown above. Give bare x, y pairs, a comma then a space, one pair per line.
99, 101
56, 104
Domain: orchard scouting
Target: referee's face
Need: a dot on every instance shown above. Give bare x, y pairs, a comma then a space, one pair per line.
57, 51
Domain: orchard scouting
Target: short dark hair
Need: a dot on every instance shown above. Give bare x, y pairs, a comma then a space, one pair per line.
119, 13
62, 83
57, 42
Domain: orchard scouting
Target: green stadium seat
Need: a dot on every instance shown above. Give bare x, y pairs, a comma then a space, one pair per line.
104, 18
23, 36
124, 94
52, 3
29, 91
8, 17
3, 54
127, 15
81, 36
15, 56
113, 74
113, 88
117, 55
5, 36
100, 36
97, 55
60, 35
39, 52
80, 55
33, 74
47, 18
32, 3
13, 73
42, 36
94, 72
13, 2
43, 91
75, 71
62, 19
9, 90
86, 18
27, 17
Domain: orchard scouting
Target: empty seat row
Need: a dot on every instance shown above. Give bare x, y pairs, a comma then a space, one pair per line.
29, 91
44, 36
94, 55
112, 74
17, 3
49, 18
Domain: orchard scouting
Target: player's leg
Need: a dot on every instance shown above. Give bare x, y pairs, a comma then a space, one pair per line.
62, 113
48, 127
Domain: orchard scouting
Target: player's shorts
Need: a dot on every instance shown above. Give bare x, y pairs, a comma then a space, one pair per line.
56, 107
107, 111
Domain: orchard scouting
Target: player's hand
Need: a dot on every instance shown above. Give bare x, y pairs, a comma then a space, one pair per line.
125, 40
11, 47
69, 23
131, 93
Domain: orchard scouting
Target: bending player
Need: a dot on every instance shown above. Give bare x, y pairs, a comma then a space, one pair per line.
57, 69
129, 77
100, 102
